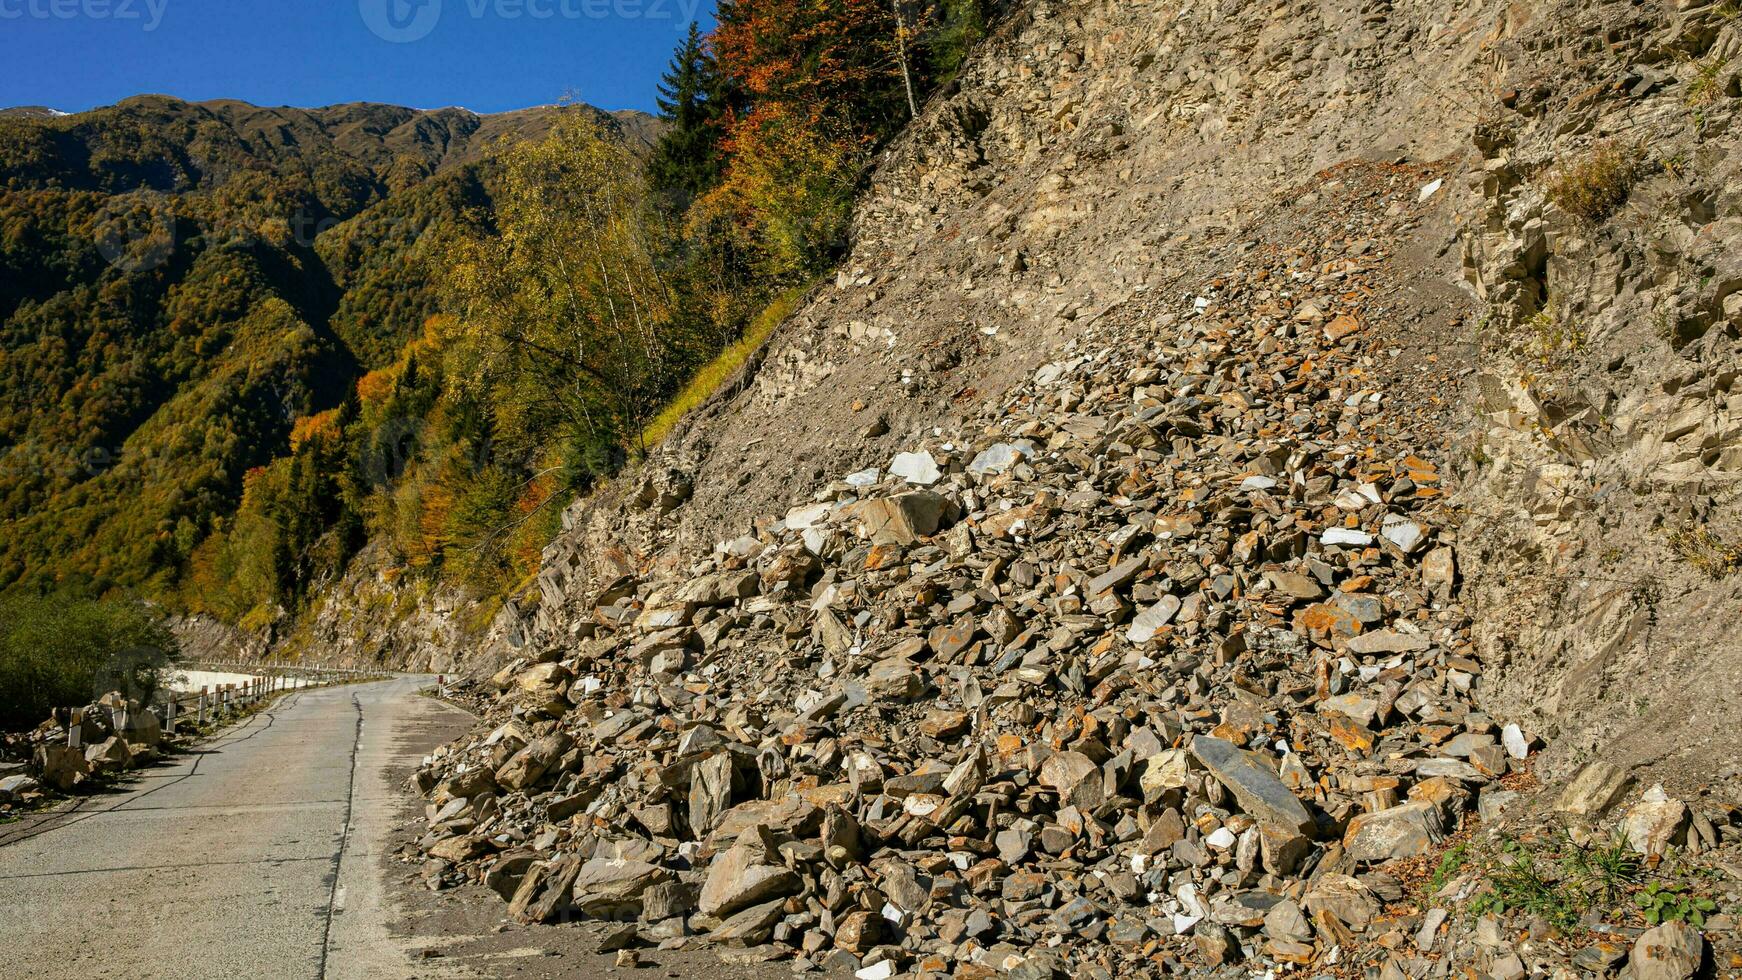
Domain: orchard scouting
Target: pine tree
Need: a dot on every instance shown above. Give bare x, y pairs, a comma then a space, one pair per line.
960, 24
692, 100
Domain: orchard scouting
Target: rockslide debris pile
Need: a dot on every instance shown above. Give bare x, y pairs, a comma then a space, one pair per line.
115, 733
1159, 661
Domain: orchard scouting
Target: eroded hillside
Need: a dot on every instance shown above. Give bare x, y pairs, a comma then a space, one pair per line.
1348, 385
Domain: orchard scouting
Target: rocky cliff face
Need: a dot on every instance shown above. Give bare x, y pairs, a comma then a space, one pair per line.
1354, 386
1606, 442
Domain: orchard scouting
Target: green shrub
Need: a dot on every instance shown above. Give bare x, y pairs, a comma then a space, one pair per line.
1706, 551
1672, 903
1596, 184
58, 652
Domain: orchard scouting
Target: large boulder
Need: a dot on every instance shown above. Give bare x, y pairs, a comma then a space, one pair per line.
1655, 823
531, 763
1260, 791
111, 755
138, 725
901, 520
61, 767
1672, 951
609, 888
1596, 788
1075, 778
748, 874
545, 889
1400, 832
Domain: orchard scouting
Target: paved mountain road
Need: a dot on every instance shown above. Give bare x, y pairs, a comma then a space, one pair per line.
254, 855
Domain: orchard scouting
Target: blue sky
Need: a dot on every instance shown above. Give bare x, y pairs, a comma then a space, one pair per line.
486, 55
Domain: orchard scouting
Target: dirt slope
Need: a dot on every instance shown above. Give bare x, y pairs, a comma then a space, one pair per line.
1095, 151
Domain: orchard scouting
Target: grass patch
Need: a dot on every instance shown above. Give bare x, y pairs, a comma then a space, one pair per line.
1553, 337
1704, 550
1561, 881
1592, 187
1707, 85
1451, 863
1521, 880
716, 372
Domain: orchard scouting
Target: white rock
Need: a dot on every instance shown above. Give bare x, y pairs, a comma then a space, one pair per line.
815, 539
810, 515
1403, 532
864, 478
916, 468
1150, 621
1655, 823
1000, 457
1345, 536
1222, 839
1431, 188
1350, 500
1517, 746
880, 970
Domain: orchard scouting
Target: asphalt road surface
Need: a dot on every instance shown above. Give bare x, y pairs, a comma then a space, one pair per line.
256, 854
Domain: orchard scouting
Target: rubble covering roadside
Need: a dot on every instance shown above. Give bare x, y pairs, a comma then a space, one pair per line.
115, 734
1160, 668
1162, 665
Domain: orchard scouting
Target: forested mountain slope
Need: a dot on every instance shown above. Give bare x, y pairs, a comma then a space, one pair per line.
180, 285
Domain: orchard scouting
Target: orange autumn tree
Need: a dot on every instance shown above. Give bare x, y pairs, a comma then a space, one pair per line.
816, 86
825, 61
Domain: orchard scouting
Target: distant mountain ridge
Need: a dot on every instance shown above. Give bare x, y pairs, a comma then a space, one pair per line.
33, 111
373, 134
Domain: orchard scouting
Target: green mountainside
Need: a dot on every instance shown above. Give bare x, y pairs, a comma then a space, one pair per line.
182, 286
238, 343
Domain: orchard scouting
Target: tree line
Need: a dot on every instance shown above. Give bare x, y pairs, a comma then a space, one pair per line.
508, 343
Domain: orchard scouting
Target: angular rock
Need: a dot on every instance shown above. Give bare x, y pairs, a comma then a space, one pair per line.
1399, 832
901, 520
1672, 951
613, 888
745, 876
1150, 621
1253, 783
1593, 790
1655, 823
916, 468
